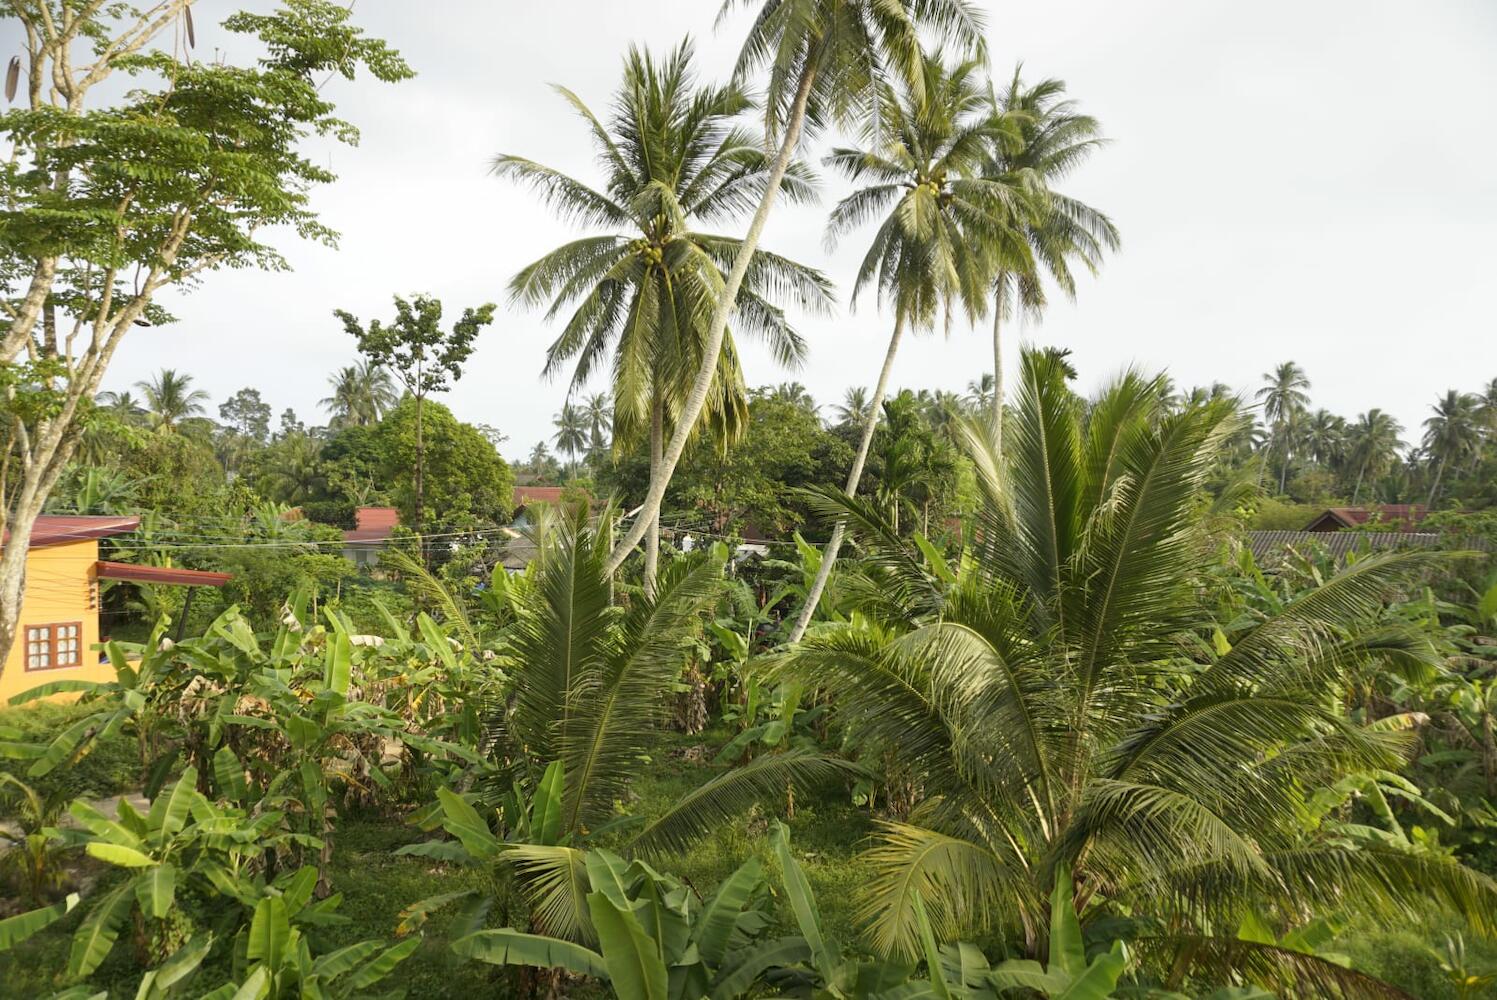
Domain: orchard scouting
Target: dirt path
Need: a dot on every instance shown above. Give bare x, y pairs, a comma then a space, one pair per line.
108, 806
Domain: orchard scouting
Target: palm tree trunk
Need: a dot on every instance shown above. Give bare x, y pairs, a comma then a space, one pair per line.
1357, 490
829, 556
998, 366
652, 540
1283, 470
1489, 753
1435, 489
718, 326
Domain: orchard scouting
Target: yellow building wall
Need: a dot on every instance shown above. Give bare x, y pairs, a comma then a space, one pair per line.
60, 587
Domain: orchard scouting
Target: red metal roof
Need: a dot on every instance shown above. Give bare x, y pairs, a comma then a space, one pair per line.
59, 529
537, 494
161, 574
373, 524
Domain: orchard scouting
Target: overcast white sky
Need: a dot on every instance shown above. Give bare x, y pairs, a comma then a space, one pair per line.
1293, 180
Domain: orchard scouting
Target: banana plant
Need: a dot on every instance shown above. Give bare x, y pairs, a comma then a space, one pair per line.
648, 937
274, 961
184, 842
137, 700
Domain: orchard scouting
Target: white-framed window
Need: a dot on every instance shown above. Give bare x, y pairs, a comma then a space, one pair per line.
56, 644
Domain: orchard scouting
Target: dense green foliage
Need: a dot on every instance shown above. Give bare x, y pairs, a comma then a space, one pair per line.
1048, 728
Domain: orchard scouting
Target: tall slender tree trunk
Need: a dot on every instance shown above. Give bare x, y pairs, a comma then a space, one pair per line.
652, 540
998, 365
1435, 489
1357, 490
420, 471
1283, 469
829, 555
726, 302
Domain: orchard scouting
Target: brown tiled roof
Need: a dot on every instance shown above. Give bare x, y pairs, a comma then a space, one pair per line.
1401, 516
59, 529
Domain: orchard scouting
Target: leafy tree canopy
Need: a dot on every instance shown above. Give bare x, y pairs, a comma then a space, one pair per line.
466, 479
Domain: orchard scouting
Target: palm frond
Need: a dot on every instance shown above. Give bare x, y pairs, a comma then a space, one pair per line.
719, 800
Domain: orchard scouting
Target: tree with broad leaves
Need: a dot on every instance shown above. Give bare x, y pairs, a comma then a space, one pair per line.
247, 414
420, 356
107, 204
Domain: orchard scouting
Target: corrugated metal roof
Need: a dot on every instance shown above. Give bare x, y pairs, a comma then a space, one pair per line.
1271, 547
59, 529
161, 574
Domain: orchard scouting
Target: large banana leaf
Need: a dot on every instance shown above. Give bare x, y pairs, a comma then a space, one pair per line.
507, 946
99, 930
14, 930
634, 964
269, 933
714, 929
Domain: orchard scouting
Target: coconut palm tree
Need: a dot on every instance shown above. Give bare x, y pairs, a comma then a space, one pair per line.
795, 394
170, 399
597, 410
647, 286
590, 682
363, 392
1054, 139
1372, 446
824, 59
292, 472
853, 410
980, 392
1284, 398
1452, 435
1324, 438
571, 431
123, 406
939, 218
1057, 698
1487, 407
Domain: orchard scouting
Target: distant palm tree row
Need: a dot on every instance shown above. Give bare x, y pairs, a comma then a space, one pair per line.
362, 394
1459, 435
